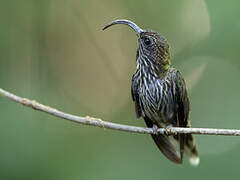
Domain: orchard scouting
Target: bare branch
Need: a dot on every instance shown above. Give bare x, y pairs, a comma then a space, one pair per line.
108, 125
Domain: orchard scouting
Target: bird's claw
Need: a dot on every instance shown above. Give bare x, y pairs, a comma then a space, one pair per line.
155, 129
167, 128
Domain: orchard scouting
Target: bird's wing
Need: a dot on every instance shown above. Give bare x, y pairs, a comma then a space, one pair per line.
182, 101
134, 93
135, 98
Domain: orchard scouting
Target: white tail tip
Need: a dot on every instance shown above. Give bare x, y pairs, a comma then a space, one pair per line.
194, 161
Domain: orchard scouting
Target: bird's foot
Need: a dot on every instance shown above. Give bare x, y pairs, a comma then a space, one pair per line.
155, 129
167, 128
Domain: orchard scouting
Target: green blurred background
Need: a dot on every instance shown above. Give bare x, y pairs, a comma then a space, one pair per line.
54, 51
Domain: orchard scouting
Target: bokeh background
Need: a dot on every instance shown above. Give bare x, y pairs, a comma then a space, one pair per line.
54, 51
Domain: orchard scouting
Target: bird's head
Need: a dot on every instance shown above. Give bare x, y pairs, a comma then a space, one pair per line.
151, 44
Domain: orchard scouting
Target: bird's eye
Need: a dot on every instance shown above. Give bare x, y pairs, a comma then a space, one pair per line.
147, 41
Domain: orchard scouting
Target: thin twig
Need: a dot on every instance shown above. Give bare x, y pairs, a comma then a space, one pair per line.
108, 125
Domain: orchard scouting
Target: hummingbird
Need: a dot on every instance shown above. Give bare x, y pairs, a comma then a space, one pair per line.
160, 95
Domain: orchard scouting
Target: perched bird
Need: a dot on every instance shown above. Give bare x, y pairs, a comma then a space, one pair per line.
160, 95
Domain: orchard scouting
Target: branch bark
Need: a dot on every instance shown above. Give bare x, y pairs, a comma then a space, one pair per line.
108, 125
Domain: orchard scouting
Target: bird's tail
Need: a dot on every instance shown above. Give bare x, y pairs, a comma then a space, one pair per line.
189, 146
168, 149
164, 145
190, 150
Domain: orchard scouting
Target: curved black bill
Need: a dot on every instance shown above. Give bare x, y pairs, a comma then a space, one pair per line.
137, 29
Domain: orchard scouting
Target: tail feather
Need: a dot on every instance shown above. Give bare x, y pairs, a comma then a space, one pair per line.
186, 142
181, 138
164, 145
190, 149
194, 161
167, 148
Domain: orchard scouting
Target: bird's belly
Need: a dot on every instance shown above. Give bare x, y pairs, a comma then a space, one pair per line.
157, 103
